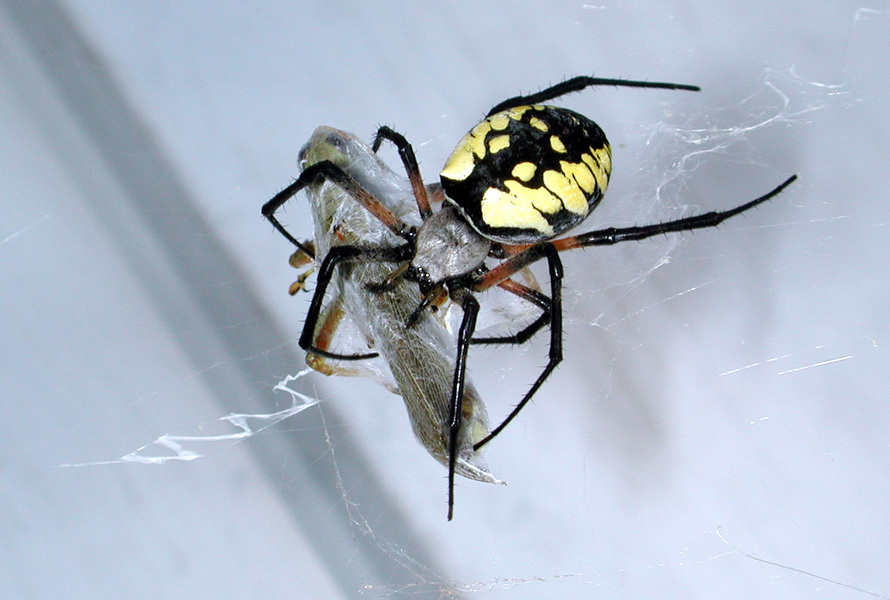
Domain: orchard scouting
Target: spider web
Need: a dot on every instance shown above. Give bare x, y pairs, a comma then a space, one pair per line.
667, 167
781, 99
670, 154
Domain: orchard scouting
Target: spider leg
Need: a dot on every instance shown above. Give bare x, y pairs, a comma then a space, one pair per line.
336, 255
529, 295
600, 237
330, 171
576, 84
406, 152
467, 326
613, 235
494, 277
435, 193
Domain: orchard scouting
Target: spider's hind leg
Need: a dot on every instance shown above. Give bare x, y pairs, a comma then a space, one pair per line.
532, 296
576, 84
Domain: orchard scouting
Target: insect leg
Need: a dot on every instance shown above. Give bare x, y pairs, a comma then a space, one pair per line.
301, 260
317, 356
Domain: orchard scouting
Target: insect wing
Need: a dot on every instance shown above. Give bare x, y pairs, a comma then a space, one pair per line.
420, 358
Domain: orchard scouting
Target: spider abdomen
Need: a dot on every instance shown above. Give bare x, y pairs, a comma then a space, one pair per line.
528, 173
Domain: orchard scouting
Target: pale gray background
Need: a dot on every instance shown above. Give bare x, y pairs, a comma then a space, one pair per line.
727, 385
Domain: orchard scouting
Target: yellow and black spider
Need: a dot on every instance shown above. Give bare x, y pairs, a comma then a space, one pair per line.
523, 176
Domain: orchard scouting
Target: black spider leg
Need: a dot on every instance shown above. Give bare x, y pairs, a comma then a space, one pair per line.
409, 161
275, 203
470, 307
601, 237
529, 295
576, 84
537, 252
613, 235
330, 171
335, 256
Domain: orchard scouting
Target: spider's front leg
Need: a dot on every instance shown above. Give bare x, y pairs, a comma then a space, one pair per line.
331, 172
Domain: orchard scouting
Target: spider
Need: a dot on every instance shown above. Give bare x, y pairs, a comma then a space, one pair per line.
416, 362
519, 179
